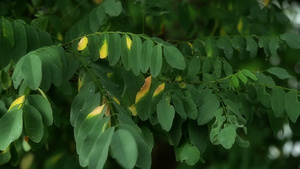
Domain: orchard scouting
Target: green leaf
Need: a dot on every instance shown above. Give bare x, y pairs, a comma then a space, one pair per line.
20, 41
112, 7
136, 48
114, 49
94, 46
99, 152
156, 60
209, 105
277, 101
239, 44
199, 47
5, 157
146, 55
194, 66
198, 136
292, 39
263, 97
242, 77
33, 41
264, 43
88, 135
235, 81
11, 124
218, 68
179, 107
262, 78
273, 46
292, 106
32, 71
211, 48
251, 46
227, 136
206, 67
33, 123
174, 57
225, 44
126, 53
43, 106
249, 74
165, 113
227, 68
279, 72
190, 107
124, 148
6, 41
188, 153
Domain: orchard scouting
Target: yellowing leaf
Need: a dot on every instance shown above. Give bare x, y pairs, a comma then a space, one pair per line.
79, 83
240, 26
96, 111
97, 2
266, 2
133, 110
144, 89
159, 89
103, 50
82, 43
191, 46
128, 42
18, 101
117, 101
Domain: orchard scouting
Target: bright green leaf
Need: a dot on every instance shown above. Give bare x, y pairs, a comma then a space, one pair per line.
235, 81
249, 74
242, 77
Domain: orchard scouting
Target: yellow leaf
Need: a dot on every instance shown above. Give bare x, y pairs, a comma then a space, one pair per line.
18, 101
144, 89
266, 2
103, 50
96, 111
133, 110
82, 43
191, 46
178, 78
128, 42
159, 89
240, 26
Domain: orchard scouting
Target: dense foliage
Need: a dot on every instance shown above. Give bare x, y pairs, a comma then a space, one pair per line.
125, 84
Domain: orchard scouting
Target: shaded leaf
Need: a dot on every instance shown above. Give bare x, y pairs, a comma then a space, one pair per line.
292, 106
136, 54
174, 57
225, 44
292, 39
188, 153
277, 101
251, 46
33, 123
165, 113
146, 55
114, 49
279, 72
156, 60
227, 136
112, 7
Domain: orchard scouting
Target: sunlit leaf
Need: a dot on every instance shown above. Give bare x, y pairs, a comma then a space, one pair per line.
103, 51
82, 43
19, 101
144, 90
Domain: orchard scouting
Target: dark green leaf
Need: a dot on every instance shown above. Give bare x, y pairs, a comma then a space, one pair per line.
264, 43
179, 107
262, 78
251, 46
188, 153
218, 68
279, 72
156, 60
194, 66
5, 157
199, 47
6, 41
273, 46
165, 113
277, 101
33, 41
174, 57
20, 41
11, 125
136, 48
99, 153
32, 70
292, 39
124, 148
211, 48
209, 106
225, 44
292, 106
112, 7
125, 53
206, 67
43, 106
114, 49
33, 123
94, 46
239, 44
263, 97
146, 55
227, 68
227, 136
197, 136
190, 107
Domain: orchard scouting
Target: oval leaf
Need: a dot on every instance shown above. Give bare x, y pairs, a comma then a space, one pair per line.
227, 136
165, 113
174, 57
156, 60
